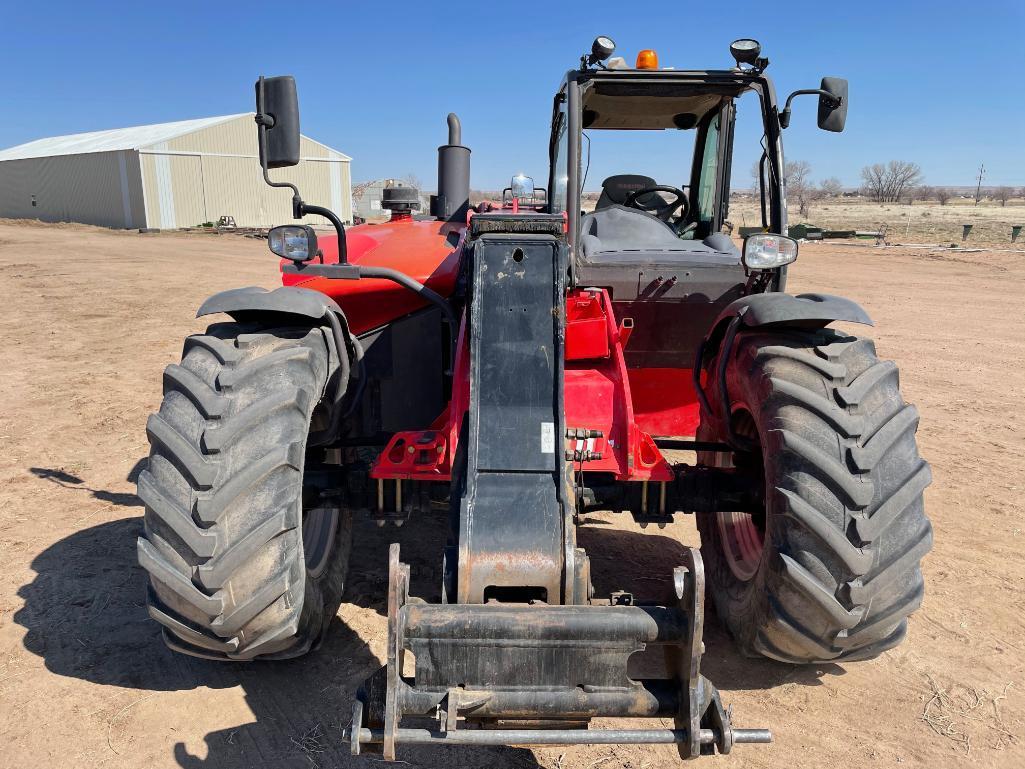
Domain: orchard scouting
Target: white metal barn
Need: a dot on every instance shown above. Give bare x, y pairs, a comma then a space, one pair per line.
166, 176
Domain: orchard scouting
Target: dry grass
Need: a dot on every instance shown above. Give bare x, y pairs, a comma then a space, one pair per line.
917, 223
311, 744
961, 713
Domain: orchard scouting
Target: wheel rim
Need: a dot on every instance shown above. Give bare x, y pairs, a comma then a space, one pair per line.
319, 527
743, 534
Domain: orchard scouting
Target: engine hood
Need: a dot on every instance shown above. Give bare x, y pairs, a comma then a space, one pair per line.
426, 250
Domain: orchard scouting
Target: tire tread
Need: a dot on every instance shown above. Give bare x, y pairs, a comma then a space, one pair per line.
841, 570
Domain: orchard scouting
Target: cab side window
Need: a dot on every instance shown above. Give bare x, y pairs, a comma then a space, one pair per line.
708, 173
558, 184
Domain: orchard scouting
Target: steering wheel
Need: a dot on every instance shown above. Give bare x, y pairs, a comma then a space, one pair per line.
664, 210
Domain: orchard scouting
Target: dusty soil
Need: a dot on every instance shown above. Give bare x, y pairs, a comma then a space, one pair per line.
90, 318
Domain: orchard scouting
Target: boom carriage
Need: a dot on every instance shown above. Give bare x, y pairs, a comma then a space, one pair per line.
526, 363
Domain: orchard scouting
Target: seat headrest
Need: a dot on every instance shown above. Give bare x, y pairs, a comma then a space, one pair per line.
617, 188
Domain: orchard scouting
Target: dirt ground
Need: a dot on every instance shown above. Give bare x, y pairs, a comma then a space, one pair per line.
91, 317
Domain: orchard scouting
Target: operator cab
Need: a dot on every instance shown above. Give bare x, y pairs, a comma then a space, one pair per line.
659, 242
638, 218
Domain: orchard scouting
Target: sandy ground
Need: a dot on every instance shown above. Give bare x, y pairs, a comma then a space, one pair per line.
90, 318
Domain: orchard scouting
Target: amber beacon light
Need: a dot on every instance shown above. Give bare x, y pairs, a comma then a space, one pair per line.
647, 59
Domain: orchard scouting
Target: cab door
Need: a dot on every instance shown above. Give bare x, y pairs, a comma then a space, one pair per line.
710, 177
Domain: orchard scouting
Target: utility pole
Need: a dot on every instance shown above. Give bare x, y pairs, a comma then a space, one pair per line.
978, 186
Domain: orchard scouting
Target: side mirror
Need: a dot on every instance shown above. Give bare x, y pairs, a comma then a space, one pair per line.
768, 251
833, 104
297, 242
277, 114
522, 187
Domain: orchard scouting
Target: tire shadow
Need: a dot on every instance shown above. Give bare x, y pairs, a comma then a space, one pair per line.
643, 564
85, 616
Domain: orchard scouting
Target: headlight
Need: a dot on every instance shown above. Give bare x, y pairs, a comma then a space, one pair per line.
767, 251
295, 242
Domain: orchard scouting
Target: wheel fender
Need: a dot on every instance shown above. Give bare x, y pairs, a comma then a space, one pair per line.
305, 306
252, 301
768, 310
778, 309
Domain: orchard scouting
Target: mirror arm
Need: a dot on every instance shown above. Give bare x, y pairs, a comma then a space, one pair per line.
265, 122
832, 99
300, 209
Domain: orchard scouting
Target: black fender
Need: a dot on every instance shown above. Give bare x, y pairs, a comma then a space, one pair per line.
778, 309
304, 306
769, 310
250, 302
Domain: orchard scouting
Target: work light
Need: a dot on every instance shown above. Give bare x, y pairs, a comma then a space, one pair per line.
745, 50
768, 251
601, 49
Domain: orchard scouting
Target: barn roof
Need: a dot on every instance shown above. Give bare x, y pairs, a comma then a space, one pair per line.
135, 138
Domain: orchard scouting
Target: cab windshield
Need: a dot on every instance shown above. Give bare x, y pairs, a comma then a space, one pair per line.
663, 147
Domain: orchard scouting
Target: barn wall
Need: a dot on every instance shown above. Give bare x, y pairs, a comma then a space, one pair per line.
101, 188
215, 172
182, 182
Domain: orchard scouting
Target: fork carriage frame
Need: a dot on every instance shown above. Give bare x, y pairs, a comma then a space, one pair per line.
551, 668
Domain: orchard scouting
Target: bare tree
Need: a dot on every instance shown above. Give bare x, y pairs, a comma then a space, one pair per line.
798, 180
873, 179
1003, 194
412, 180
922, 192
889, 183
942, 194
831, 187
903, 175
756, 177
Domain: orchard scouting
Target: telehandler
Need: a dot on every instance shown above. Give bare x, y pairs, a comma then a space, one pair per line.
527, 362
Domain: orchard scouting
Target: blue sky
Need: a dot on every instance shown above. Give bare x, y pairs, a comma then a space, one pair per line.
938, 83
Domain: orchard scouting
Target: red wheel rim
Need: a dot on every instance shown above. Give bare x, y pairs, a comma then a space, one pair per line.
743, 534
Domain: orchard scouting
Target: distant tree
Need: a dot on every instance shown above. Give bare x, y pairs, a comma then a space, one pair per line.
922, 192
831, 187
797, 174
888, 183
756, 177
873, 180
942, 194
1003, 194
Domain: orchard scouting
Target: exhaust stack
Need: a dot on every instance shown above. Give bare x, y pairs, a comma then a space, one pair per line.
453, 198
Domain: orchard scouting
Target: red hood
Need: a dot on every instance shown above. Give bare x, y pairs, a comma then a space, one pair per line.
424, 250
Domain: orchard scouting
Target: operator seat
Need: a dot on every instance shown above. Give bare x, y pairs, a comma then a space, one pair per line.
616, 189
618, 234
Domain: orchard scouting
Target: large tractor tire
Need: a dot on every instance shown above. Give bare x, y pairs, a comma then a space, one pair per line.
243, 562
829, 571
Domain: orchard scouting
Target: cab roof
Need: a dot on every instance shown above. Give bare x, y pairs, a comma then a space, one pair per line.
656, 99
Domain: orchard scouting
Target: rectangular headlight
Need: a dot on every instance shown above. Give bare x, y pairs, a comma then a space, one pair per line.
768, 251
295, 242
